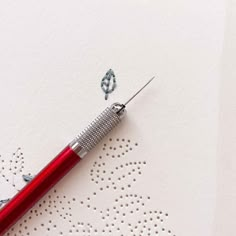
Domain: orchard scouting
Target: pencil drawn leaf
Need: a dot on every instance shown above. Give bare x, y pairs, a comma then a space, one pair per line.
108, 83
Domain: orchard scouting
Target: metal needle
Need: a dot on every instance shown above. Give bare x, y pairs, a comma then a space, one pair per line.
139, 90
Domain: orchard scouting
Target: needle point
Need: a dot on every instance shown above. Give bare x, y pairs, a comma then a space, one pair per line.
139, 90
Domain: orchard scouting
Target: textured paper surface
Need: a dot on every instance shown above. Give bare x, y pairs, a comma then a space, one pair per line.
54, 55
226, 178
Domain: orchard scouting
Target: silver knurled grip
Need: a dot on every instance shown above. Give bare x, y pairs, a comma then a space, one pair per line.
98, 129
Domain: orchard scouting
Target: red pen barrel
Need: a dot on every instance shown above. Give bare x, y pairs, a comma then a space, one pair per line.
37, 187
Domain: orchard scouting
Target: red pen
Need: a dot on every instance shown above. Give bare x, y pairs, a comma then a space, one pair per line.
62, 164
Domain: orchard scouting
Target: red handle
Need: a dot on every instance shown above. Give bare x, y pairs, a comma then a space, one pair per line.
37, 187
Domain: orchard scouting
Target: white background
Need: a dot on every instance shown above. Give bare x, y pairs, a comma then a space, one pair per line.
226, 192
53, 55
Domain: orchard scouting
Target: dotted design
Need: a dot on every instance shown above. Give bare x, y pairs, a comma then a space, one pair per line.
12, 167
127, 214
112, 178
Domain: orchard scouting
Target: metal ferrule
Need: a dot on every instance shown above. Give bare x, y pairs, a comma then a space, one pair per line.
98, 129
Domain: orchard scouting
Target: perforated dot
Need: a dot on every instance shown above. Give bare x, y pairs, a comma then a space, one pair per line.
112, 174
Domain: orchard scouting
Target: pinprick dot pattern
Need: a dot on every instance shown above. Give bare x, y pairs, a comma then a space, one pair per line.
111, 208
12, 167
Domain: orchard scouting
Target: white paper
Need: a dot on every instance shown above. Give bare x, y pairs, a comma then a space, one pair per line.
53, 55
225, 212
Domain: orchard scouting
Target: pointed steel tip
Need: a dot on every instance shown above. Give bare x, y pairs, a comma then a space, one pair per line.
150, 80
139, 90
